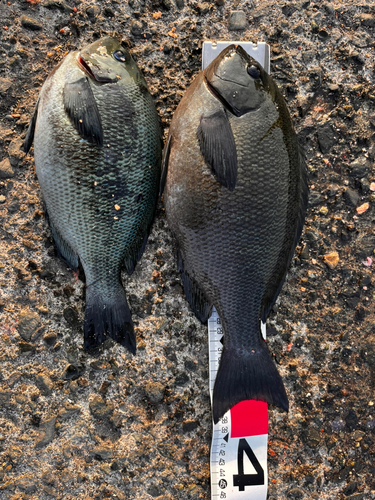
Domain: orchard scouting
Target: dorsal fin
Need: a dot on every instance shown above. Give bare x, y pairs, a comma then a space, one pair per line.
31, 130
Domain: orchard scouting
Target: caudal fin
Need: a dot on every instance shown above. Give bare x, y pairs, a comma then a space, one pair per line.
246, 375
108, 315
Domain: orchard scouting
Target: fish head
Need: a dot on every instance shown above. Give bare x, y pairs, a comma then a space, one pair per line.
107, 61
237, 80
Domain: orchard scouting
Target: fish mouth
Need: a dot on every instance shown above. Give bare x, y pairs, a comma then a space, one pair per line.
94, 72
235, 111
85, 67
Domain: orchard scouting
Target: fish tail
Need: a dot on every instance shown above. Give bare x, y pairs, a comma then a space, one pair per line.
244, 375
108, 315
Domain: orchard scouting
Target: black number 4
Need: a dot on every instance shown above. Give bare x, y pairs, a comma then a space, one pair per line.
241, 480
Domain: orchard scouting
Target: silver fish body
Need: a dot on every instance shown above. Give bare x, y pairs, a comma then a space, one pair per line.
235, 199
97, 149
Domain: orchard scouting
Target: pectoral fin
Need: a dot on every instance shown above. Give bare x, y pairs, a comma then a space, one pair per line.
218, 148
80, 105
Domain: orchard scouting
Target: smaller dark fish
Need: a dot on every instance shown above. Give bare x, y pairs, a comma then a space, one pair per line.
97, 149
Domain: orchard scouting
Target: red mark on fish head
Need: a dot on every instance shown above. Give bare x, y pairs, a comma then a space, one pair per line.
85, 67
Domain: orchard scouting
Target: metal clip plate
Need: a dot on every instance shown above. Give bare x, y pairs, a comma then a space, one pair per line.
259, 51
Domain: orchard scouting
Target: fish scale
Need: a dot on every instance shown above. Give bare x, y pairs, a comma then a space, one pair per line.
99, 175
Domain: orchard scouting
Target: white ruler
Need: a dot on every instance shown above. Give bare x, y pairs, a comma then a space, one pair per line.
239, 440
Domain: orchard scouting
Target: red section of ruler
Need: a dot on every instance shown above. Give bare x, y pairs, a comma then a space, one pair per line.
249, 418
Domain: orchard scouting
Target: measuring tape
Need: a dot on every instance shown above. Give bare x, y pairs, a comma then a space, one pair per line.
238, 462
239, 439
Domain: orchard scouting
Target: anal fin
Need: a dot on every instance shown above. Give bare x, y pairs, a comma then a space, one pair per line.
64, 250
194, 294
132, 257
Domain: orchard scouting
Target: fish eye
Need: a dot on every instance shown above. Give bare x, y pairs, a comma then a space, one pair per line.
254, 72
119, 55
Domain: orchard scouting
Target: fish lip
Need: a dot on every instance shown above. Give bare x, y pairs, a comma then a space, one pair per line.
85, 67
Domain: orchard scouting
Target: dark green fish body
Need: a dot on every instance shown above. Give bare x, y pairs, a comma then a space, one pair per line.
235, 198
97, 148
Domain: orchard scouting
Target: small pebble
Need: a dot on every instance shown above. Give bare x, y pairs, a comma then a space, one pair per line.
25, 484
237, 20
295, 493
136, 28
189, 425
333, 87
363, 208
326, 137
313, 437
331, 259
48, 433
99, 408
50, 338
154, 392
351, 197
6, 171
25, 347
16, 152
44, 384
338, 425
28, 323
57, 4
108, 12
30, 23
203, 8
102, 452
368, 20
359, 168
167, 4
2, 198
73, 371
5, 84
93, 12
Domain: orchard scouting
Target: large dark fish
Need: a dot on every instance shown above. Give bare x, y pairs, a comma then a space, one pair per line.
235, 197
97, 149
